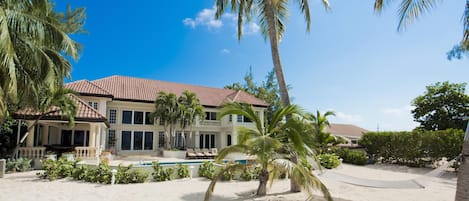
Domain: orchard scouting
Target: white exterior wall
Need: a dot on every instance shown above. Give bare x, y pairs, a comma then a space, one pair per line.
218, 127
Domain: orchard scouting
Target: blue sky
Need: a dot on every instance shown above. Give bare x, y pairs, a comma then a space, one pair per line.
353, 61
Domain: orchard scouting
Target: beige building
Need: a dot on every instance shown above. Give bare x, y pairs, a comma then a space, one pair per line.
114, 114
349, 132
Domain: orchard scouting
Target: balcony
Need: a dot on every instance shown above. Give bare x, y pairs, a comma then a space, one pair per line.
210, 123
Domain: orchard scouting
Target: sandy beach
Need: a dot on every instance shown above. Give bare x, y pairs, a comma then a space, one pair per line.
27, 186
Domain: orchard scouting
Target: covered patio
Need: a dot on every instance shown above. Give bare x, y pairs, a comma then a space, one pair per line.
52, 133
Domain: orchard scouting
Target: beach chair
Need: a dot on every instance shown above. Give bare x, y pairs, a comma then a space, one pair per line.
214, 152
199, 153
190, 154
207, 153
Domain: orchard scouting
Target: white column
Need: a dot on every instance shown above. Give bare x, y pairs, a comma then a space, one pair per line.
30, 138
102, 142
197, 139
92, 139
45, 134
98, 137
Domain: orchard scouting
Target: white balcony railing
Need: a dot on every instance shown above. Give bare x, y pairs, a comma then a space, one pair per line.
31, 152
211, 123
85, 152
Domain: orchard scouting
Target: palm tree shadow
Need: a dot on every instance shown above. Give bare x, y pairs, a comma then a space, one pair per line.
201, 196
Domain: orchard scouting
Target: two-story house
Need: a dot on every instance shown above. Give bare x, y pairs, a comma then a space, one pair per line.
114, 114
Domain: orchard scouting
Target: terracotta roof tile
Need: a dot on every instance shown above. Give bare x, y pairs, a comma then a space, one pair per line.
85, 87
84, 113
137, 89
345, 129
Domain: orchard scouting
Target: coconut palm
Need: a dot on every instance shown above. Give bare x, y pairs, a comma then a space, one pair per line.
271, 15
34, 44
266, 143
167, 111
410, 10
190, 108
322, 139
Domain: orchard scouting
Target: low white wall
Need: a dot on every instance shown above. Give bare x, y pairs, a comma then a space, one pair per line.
174, 154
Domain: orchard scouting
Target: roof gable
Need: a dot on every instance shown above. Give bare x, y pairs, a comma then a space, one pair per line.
85, 87
345, 129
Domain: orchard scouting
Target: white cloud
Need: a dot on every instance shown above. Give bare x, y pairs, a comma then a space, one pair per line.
398, 111
206, 17
351, 118
225, 51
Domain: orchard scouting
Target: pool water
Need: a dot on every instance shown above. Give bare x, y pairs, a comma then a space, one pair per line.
144, 164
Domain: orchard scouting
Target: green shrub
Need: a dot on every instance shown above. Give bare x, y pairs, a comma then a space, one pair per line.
227, 176
182, 171
80, 172
18, 165
415, 148
329, 161
127, 175
138, 176
250, 173
207, 169
160, 173
355, 157
57, 169
101, 174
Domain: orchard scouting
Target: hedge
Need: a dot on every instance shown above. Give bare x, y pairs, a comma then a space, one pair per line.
414, 148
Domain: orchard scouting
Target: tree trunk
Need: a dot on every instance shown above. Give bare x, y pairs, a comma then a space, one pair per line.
462, 189
294, 186
263, 179
273, 37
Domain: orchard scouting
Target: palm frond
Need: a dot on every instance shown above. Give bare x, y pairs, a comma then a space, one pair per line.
410, 10
211, 186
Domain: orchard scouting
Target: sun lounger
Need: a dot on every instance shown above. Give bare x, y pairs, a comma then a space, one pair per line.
190, 154
214, 152
199, 153
207, 153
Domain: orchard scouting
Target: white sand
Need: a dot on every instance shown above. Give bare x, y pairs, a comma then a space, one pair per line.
27, 186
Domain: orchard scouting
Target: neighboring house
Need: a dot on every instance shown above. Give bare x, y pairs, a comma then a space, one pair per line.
114, 115
349, 132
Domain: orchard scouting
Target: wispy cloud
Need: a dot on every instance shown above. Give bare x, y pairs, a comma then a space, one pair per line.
206, 18
399, 111
352, 118
225, 51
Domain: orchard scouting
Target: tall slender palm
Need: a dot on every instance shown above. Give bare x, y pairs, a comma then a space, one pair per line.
410, 10
34, 46
271, 15
265, 142
167, 111
322, 138
190, 110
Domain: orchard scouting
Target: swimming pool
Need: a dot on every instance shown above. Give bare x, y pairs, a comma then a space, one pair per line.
146, 164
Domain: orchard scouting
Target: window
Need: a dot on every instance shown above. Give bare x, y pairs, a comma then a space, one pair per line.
138, 140
126, 140
161, 139
230, 117
354, 142
127, 117
180, 140
75, 138
148, 145
111, 138
148, 118
112, 116
79, 138
244, 119
138, 117
38, 135
210, 116
228, 140
207, 141
93, 104
66, 137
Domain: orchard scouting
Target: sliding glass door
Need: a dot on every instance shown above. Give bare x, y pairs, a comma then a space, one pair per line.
137, 140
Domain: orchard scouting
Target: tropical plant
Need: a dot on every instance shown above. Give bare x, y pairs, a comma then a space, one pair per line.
272, 15
57, 169
34, 48
351, 156
160, 173
321, 138
410, 10
207, 169
190, 108
269, 142
18, 165
182, 170
167, 111
329, 161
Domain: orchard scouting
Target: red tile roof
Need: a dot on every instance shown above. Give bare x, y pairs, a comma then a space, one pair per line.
85, 87
145, 90
345, 129
84, 113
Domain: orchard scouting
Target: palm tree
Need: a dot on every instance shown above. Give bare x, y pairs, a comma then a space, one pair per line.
320, 122
271, 15
34, 46
190, 110
410, 10
167, 111
265, 143
51, 102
